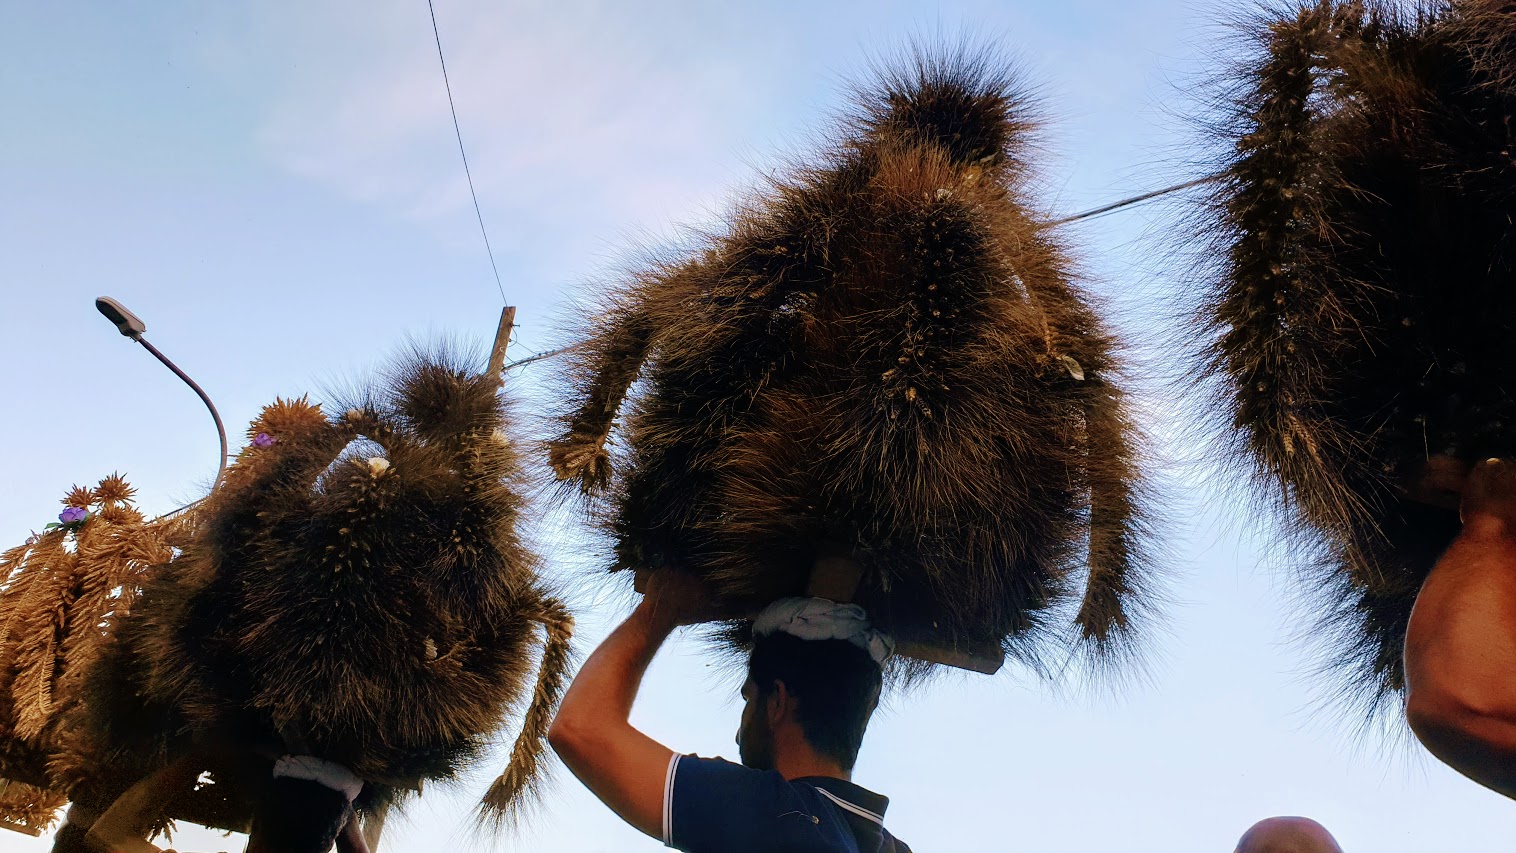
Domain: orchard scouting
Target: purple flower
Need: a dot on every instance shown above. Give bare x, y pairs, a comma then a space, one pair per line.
73, 514
262, 439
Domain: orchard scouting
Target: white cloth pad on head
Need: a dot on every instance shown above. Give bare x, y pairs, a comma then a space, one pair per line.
321, 771
821, 619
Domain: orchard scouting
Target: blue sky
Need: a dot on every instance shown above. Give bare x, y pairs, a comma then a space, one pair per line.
275, 189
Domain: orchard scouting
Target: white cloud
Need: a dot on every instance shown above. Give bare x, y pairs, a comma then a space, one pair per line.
568, 111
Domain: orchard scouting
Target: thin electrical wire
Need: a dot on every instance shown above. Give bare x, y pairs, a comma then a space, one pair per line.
173, 512
1088, 214
1136, 199
540, 356
458, 131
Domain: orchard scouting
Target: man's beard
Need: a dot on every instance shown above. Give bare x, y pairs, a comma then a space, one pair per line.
756, 747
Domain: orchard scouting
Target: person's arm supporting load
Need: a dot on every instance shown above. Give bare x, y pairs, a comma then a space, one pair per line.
126, 825
593, 733
1460, 651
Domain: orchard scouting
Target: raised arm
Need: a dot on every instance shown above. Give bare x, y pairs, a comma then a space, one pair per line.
1460, 650
125, 826
593, 733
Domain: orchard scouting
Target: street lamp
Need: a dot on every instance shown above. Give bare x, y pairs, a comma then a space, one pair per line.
129, 325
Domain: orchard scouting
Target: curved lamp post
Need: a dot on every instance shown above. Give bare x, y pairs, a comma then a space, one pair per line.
129, 325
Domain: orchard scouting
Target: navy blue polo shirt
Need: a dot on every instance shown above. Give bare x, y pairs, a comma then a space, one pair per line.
715, 806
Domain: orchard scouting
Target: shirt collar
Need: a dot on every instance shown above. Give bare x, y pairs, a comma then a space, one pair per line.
859, 796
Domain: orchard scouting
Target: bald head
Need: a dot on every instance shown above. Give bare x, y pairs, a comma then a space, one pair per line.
1287, 835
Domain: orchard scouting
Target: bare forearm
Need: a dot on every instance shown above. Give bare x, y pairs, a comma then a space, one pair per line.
351, 839
125, 826
1461, 657
593, 733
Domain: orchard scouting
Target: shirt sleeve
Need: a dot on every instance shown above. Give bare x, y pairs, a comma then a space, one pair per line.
715, 806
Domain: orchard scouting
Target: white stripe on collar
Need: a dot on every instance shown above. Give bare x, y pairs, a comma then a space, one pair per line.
852, 807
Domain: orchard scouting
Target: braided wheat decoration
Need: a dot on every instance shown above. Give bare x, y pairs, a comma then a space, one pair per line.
357, 587
885, 352
64, 590
1361, 314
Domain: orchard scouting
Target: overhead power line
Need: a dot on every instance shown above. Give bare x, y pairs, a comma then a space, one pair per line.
457, 131
1136, 199
1088, 214
540, 356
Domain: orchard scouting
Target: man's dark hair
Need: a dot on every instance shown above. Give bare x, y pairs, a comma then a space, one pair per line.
299, 816
835, 683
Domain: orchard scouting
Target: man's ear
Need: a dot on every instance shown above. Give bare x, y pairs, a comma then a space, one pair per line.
780, 704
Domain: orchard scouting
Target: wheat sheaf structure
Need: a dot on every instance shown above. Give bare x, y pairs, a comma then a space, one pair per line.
885, 353
64, 592
1360, 314
356, 588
